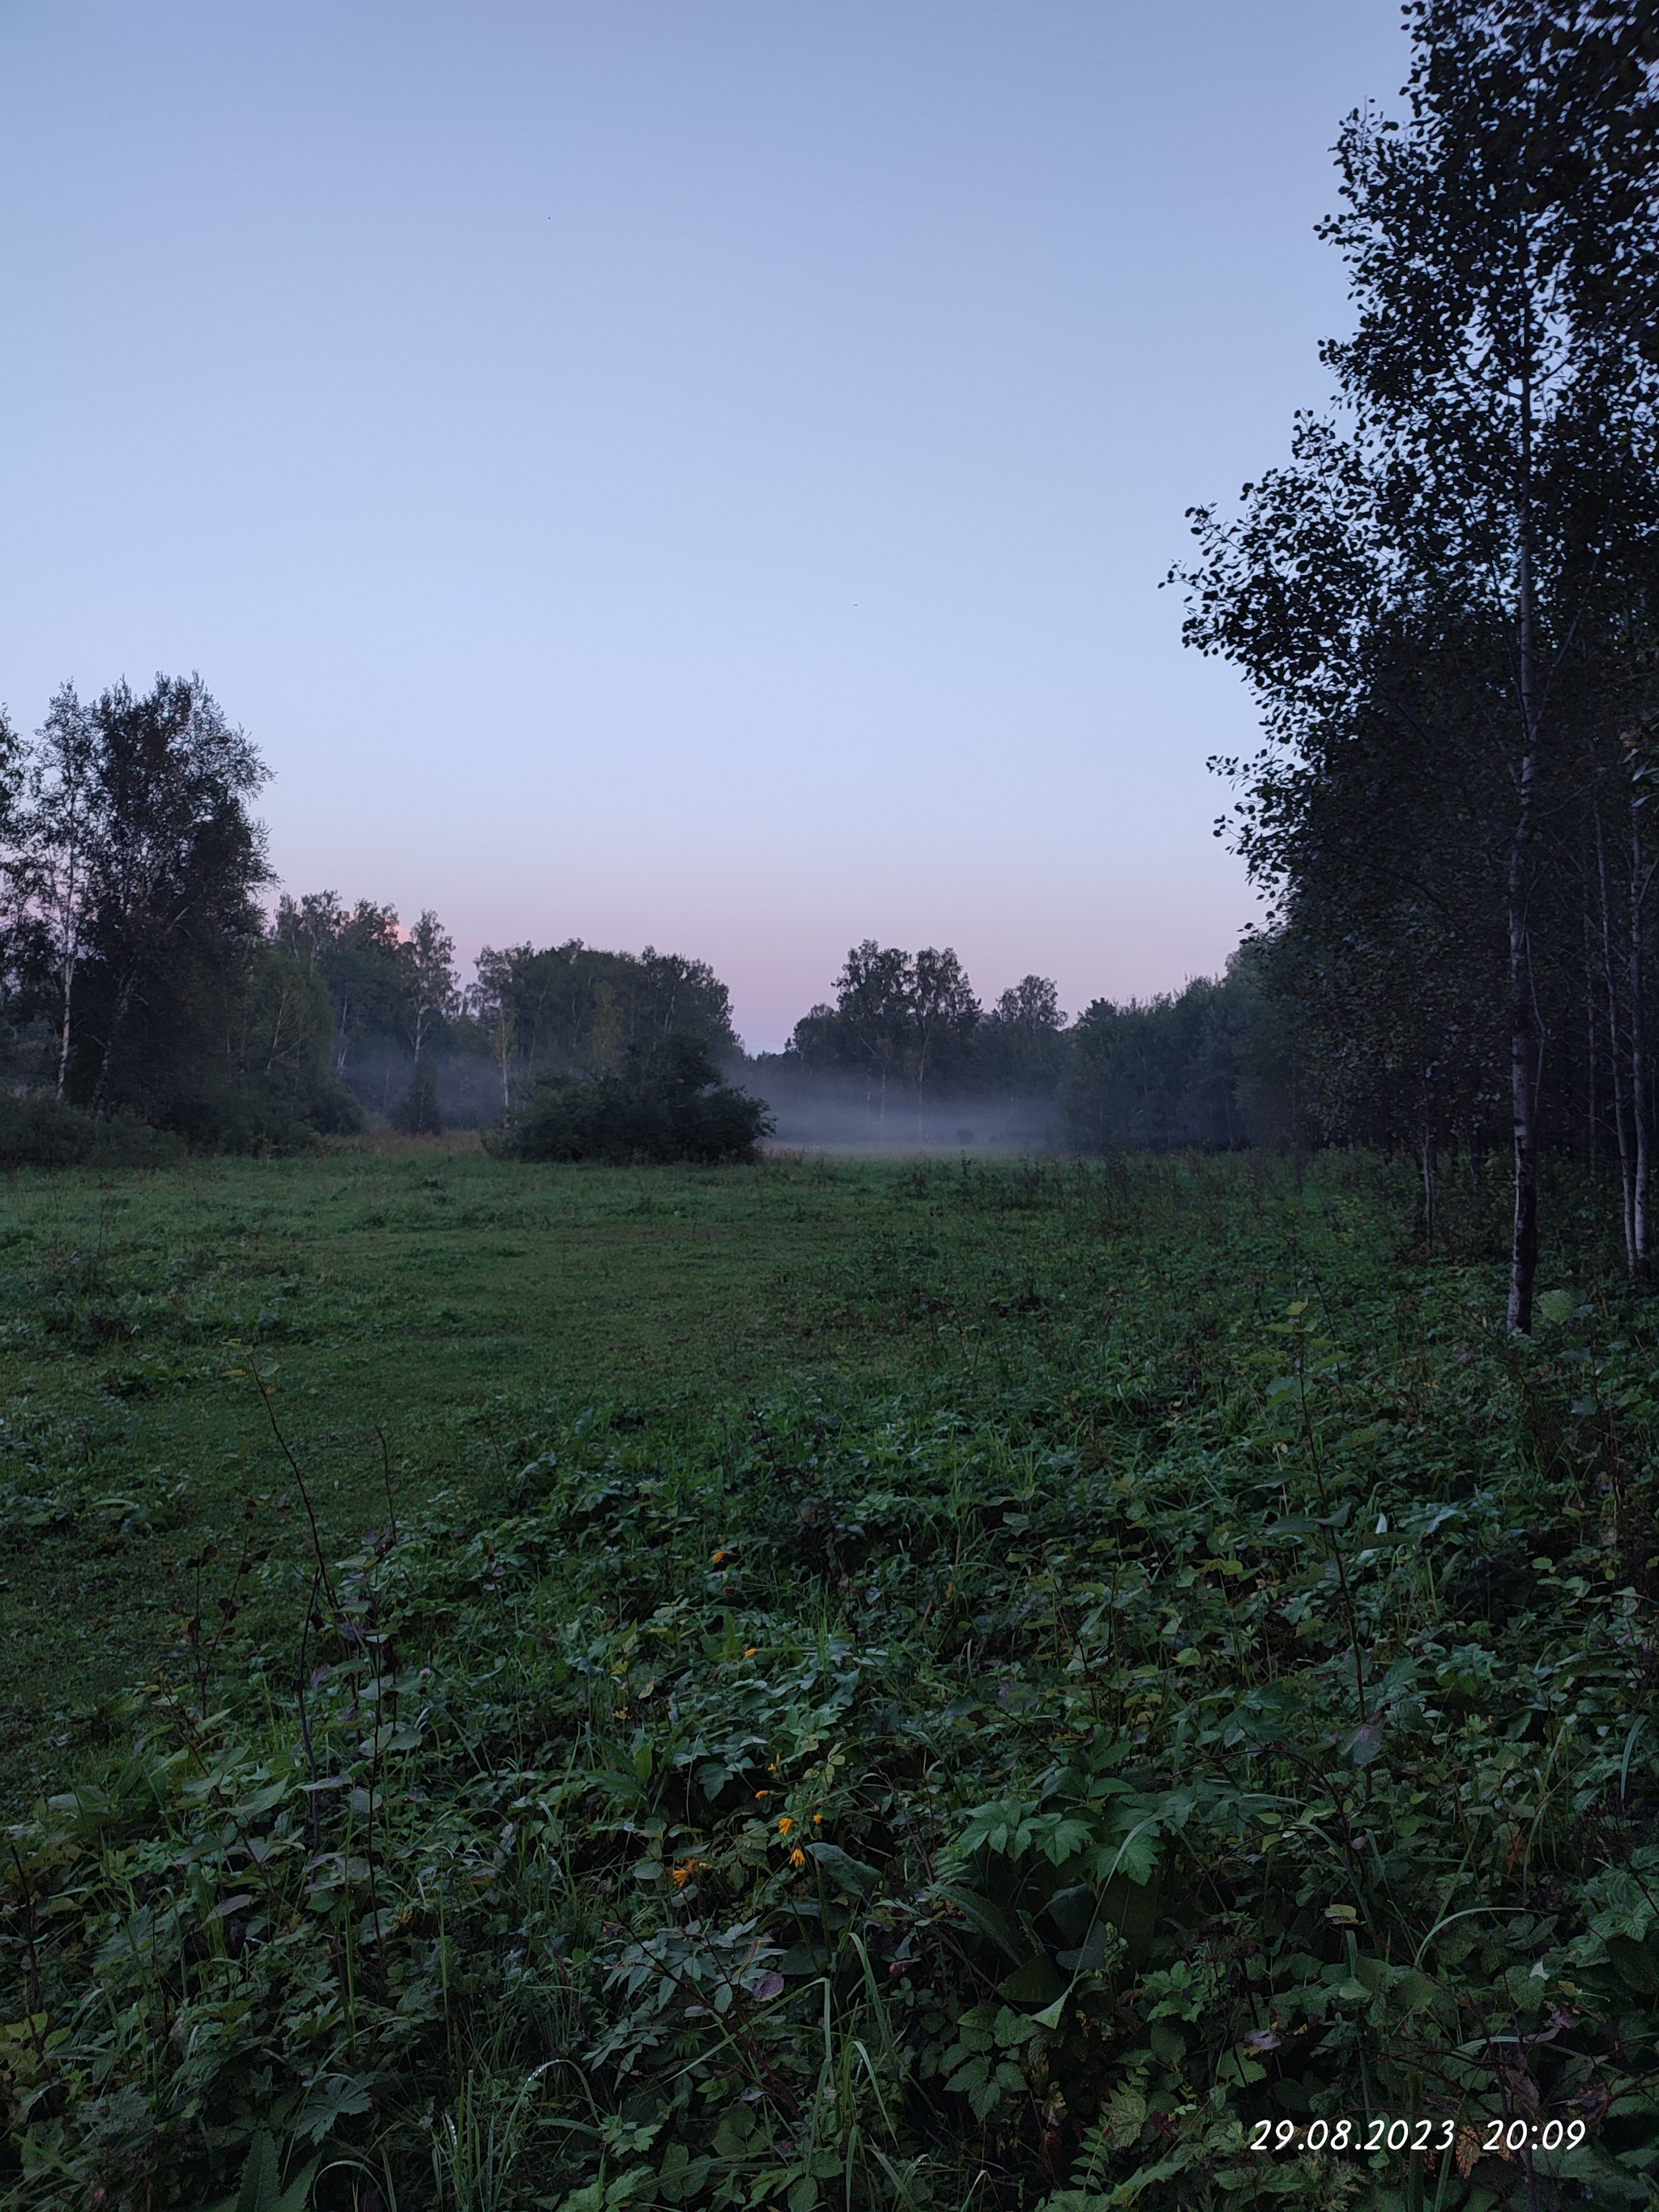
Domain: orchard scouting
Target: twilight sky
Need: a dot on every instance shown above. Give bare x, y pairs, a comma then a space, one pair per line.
694, 471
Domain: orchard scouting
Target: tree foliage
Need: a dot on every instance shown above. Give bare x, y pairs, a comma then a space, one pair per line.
389, 989
1185, 1069
908, 1028
1445, 603
138, 978
574, 1008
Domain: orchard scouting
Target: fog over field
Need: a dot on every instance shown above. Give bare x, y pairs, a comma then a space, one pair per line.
848, 1112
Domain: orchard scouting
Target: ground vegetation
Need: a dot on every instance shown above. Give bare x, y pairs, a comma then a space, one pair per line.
1128, 1658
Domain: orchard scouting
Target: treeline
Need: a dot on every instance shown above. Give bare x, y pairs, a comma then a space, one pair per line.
144, 985
410, 1042
906, 1051
149, 985
1448, 603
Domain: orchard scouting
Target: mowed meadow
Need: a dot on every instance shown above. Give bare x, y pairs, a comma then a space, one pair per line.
413, 1309
832, 1682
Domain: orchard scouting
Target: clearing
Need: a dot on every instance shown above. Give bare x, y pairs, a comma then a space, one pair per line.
881, 1685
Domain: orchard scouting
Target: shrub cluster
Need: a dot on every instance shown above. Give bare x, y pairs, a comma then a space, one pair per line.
666, 1102
37, 1130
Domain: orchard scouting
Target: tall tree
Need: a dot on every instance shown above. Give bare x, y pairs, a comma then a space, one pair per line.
888, 1017
170, 866
1022, 1041
491, 1000
944, 1015
867, 1027
429, 955
575, 1007
359, 953
1489, 508
52, 864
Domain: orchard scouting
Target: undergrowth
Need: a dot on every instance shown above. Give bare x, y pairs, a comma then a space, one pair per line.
1219, 1695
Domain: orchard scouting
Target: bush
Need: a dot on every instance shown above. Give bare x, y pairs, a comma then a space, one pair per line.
262, 1117
39, 1130
43, 1131
666, 1102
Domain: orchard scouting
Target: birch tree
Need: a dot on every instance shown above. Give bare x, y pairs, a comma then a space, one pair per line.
428, 961
57, 833
1485, 491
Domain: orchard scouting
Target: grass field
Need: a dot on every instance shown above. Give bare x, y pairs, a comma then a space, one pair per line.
889, 1684
415, 1304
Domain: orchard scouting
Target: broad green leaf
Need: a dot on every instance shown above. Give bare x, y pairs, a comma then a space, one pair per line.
1036, 1982
850, 1875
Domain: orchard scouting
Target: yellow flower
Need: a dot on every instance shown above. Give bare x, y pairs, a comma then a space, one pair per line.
798, 1858
761, 1794
719, 1556
751, 1650
818, 1820
785, 1827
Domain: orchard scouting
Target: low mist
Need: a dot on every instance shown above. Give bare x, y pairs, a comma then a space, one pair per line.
846, 1111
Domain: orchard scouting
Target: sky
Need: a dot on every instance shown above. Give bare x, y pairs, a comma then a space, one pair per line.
694, 473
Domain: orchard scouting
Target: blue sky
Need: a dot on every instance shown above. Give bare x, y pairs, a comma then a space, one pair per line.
691, 472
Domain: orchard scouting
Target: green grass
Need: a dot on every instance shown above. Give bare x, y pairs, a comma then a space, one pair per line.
891, 1686
423, 1294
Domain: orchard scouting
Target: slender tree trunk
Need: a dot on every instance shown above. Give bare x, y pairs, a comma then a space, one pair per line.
64, 1041
277, 1033
1523, 1074
1524, 1043
1621, 1104
1639, 1086
1429, 1191
1592, 1065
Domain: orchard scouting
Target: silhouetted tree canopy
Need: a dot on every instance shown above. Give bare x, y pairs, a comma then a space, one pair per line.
139, 979
1446, 604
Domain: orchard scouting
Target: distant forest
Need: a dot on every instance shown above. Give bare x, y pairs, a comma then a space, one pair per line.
906, 1053
150, 985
